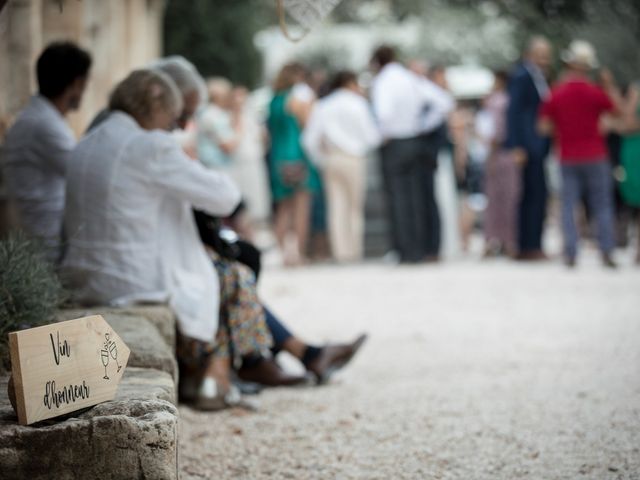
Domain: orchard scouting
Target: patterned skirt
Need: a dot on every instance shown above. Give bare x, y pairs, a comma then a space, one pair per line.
242, 329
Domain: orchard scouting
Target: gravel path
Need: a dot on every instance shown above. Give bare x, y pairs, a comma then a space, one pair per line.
473, 370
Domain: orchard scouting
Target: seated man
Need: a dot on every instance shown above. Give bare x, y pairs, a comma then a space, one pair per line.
38, 145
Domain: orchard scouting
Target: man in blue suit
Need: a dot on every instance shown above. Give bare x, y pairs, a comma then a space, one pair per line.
528, 87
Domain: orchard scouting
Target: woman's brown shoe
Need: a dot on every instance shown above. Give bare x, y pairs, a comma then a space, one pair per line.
332, 358
268, 372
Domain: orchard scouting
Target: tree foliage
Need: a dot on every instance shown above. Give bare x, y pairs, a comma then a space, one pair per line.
613, 27
217, 36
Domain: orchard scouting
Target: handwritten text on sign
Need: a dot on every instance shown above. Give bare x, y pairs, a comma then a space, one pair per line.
65, 366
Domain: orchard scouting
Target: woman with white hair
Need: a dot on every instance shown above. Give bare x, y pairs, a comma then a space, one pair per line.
132, 236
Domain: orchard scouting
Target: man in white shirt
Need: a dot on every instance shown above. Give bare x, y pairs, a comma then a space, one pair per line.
38, 145
340, 132
408, 108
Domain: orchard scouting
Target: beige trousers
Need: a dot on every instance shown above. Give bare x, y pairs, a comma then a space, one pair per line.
344, 177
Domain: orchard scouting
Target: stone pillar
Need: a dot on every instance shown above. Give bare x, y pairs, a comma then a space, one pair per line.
20, 40
21, 21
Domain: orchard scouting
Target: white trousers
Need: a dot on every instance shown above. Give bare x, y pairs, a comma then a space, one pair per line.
345, 180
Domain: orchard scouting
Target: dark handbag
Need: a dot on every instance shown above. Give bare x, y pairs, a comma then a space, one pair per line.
293, 173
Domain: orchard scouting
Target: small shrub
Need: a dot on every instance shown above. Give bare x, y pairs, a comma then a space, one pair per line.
30, 290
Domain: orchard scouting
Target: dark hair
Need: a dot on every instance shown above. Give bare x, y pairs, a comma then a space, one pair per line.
288, 76
501, 76
59, 65
342, 79
383, 55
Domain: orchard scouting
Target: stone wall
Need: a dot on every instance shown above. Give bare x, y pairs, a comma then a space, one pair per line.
120, 34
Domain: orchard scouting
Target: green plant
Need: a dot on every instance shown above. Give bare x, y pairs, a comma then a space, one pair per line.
29, 289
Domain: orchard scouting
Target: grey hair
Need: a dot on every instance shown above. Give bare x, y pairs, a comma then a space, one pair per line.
184, 74
216, 85
536, 41
143, 91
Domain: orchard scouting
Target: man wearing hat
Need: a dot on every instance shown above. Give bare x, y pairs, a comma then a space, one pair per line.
572, 114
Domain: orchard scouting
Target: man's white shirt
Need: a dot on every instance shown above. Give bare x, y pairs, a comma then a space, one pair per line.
37, 149
407, 105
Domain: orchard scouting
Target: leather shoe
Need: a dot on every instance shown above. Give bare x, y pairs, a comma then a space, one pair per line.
608, 262
268, 372
533, 256
332, 358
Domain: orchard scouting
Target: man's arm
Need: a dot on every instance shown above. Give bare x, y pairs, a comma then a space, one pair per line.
312, 136
545, 127
56, 146
516, 120
437, 98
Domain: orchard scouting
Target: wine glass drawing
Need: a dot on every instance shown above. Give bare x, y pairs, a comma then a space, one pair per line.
113, 350
104, 356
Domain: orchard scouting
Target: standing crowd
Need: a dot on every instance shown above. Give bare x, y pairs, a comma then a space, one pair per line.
498, 159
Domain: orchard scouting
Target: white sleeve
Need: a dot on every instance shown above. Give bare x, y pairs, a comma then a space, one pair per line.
370, 132
382, 103
438, 98
312, 136
303, 93
173, 171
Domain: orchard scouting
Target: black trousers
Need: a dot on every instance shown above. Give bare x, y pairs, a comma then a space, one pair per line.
430, 147
408, 171
533, 205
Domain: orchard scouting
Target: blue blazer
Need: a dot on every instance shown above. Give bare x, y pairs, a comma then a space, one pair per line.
522, 115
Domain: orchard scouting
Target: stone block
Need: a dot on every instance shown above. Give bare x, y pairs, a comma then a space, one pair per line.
161, 316
131, 437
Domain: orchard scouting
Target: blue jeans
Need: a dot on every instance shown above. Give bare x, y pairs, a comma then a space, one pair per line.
594, 180
279, 332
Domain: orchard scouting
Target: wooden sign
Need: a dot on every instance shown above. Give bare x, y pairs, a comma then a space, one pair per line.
66, 366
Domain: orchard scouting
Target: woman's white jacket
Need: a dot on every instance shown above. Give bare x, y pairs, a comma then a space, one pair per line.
129, 227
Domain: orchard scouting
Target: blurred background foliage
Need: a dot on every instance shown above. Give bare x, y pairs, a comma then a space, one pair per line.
217, 35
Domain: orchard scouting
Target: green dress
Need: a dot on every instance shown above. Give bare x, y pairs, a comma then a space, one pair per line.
630, 159
289, 167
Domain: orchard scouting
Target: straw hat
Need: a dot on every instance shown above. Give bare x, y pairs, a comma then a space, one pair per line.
581, 53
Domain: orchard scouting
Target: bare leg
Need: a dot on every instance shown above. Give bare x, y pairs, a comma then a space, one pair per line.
301, 213
295, 347
467, 219
218, 369
638, 235
282, 224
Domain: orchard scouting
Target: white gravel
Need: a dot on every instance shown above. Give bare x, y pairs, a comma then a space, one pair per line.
474, 370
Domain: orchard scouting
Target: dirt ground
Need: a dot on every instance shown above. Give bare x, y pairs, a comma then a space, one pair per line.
474, 370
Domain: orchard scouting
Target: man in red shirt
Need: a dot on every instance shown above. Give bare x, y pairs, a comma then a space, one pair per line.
572, 113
